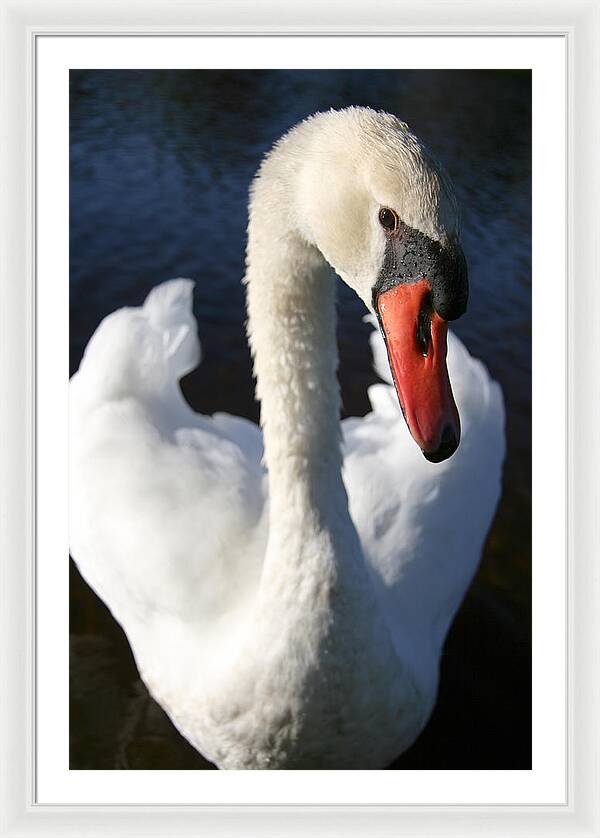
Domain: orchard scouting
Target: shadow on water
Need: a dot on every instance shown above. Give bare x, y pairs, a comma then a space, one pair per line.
161, 162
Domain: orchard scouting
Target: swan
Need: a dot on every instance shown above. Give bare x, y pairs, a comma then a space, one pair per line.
286, 590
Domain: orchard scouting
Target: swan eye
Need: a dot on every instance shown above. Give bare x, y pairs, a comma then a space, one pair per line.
388, 219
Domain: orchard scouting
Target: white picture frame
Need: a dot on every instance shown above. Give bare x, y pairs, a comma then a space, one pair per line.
21, 24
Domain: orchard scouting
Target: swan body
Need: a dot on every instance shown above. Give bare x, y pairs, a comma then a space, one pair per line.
286, 591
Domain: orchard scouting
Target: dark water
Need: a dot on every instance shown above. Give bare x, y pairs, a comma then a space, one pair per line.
160, 167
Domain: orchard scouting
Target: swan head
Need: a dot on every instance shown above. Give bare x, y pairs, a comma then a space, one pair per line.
383, 213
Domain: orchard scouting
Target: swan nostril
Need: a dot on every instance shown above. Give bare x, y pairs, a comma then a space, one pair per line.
423, 334
446, 448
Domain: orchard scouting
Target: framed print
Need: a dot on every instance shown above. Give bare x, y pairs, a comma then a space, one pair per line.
249, 587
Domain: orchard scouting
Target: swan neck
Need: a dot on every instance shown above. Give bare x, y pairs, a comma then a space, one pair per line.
315, 594
291, 324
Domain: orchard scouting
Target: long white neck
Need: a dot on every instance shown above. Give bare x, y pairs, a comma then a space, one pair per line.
291, 327
318, 631
291, 307
317, 662
315, 587
315, 611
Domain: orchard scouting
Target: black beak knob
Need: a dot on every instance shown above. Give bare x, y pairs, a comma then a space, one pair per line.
411, 256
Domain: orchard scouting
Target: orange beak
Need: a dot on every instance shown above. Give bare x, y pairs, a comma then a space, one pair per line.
415, 337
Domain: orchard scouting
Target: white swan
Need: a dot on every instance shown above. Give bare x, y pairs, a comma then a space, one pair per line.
290, 613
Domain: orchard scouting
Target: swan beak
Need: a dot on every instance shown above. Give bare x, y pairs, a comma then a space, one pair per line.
415, 336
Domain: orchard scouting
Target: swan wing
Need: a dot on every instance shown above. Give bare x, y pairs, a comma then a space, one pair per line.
422, 525
167, 507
